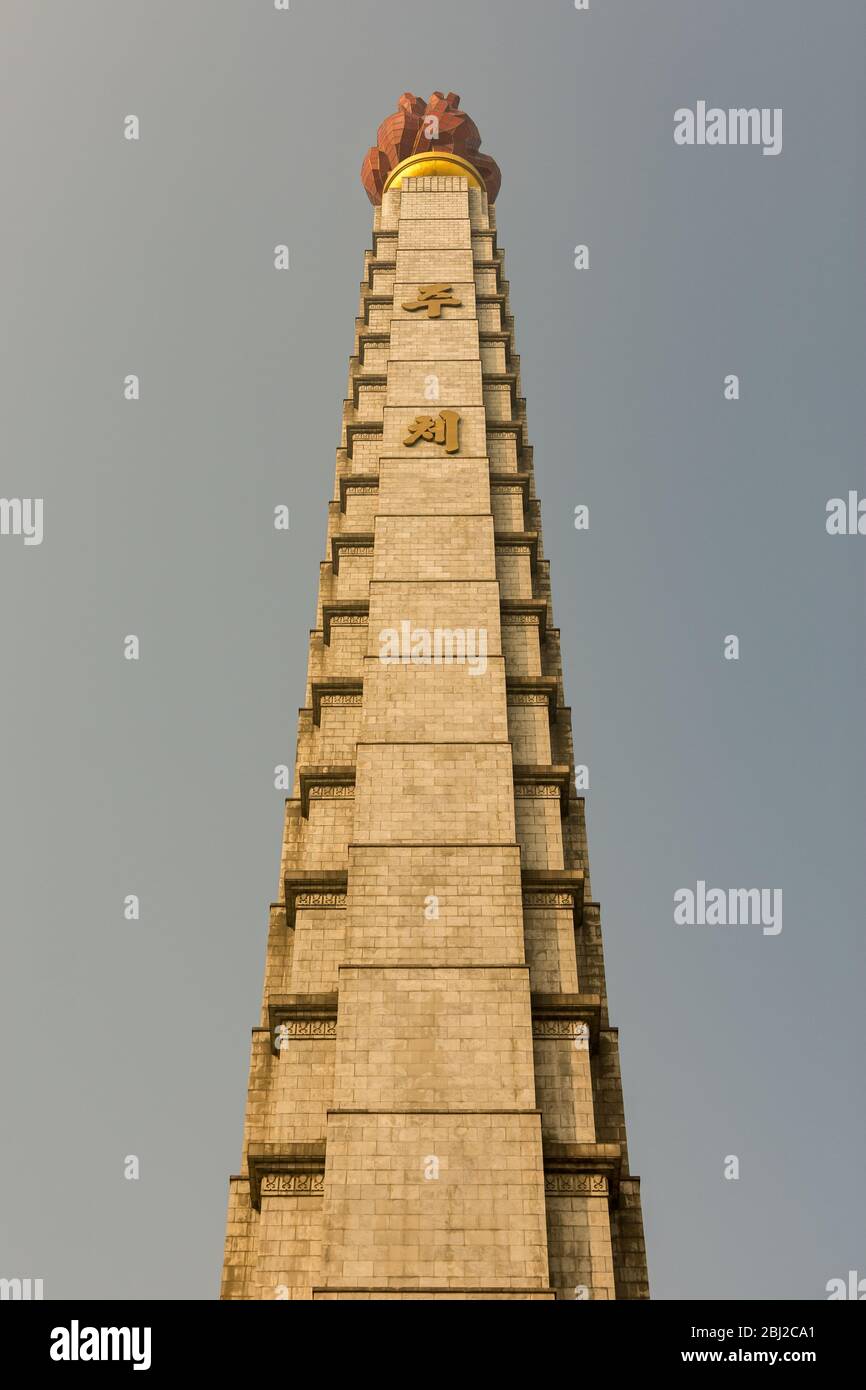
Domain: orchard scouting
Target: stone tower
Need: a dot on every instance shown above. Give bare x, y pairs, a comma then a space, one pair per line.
434, 1106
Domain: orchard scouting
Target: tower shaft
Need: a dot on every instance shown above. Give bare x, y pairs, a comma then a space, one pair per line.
434, 1105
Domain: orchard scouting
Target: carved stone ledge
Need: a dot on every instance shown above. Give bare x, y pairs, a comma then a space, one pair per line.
375, 380
555, 888
357, 482
389, 237
372, 429
361, 543
373, 337
520, 541
336, 691
353, 612
376, 263
310, 1017
512, 427
508, 482
588, 1170
302, 1165
525, 612
576, 1184
314, 888
543, 781
508, 379
292, 1185
329, 782
494, 265
569, 1016
499, 297
371, 301
533, 690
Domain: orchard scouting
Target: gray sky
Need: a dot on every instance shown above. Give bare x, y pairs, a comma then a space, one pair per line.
706, 518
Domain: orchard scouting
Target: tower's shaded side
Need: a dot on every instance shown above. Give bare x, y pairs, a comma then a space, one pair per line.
435, 1107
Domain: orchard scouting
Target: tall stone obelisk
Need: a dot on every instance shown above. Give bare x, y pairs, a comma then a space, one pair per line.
434, 1105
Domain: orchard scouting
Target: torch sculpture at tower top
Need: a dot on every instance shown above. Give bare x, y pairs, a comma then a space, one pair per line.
425, 138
